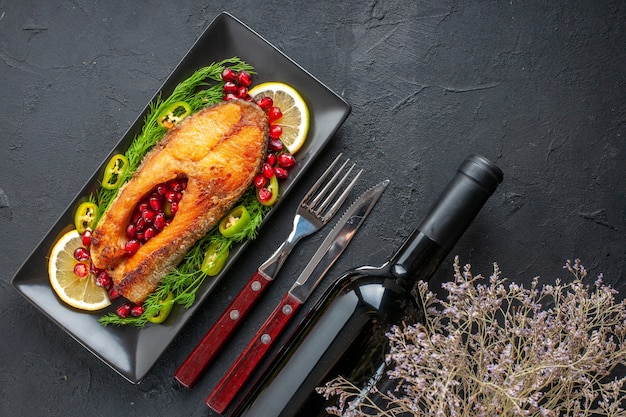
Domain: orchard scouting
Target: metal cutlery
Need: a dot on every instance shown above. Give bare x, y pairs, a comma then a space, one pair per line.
330, 249
316, 209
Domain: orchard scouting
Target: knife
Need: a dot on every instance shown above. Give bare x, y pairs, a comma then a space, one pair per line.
330, 249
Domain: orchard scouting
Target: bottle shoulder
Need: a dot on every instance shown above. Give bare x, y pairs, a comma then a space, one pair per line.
369, 290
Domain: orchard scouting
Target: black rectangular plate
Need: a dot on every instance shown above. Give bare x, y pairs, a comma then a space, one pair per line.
130, 351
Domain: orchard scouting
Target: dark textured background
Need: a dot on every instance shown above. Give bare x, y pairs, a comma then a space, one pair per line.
539, 89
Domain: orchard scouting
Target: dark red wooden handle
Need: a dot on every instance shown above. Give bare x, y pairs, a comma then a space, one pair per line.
203, 354
223, 394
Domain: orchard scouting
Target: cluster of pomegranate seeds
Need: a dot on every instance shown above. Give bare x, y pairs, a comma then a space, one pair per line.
153, 213
129, 309
278, 160
84, 266
236, 84
276, 164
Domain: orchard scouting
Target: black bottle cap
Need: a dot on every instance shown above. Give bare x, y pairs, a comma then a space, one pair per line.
483, 171
459, 203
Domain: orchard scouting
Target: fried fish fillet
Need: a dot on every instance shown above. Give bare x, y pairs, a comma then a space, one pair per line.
219, 150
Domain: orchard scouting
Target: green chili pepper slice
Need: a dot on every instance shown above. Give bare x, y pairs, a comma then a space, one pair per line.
114, 172
235, 221
174, 114
165, 310
214, 259
85, 216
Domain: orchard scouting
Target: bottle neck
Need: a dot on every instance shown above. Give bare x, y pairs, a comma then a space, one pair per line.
446, 221
418, 259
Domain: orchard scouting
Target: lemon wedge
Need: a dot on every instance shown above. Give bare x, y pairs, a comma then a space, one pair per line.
78, 292
295, 119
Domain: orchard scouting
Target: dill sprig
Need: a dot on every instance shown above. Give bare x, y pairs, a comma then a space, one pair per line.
202, 88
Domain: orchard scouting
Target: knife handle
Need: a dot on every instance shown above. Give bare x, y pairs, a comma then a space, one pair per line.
230, 384
203, 354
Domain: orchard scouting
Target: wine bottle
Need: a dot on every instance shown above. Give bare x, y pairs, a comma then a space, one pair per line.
344, 334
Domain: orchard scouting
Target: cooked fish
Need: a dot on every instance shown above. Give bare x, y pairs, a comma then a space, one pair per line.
219, 150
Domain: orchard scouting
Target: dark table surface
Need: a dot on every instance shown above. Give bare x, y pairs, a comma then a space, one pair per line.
537, 88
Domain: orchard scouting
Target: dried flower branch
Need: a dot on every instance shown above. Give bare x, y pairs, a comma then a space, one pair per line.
503, 350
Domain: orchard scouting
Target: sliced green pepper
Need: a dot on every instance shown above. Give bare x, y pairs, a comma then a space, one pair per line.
114, 172
174, 114
85, 216
165, 310
235, 221
214, 259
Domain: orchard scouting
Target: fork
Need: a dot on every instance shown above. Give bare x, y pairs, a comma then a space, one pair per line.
314, 211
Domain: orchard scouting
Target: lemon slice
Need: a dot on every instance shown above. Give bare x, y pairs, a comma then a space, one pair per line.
81, 293
295, 119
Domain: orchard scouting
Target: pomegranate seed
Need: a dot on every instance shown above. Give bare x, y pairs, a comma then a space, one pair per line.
242, 92
229, 74
244, 78
271, 159
274, 114
94, 270
170, 196
161, 189
265, 195
130, 231
81, 254
104, 280
286, 160
86, 238
149, 234
230, 87
173, 207
155, 203
140, 225
276, 131
183, 184
230, 96
159, 221
148, 215
124, 310
267, 170
281, 173
140, 236
265, 103
132, 246
114, 294
275, 145
136, 310
260, 181
175, 185
143, 206
81, 270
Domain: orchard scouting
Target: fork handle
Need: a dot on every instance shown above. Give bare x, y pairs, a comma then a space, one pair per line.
203, 354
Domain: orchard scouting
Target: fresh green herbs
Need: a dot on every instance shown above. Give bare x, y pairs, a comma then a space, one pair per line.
180, 286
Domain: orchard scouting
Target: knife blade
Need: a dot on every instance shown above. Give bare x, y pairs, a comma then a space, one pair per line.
330, 249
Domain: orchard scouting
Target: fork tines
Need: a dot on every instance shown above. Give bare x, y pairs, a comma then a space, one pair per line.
318, 205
